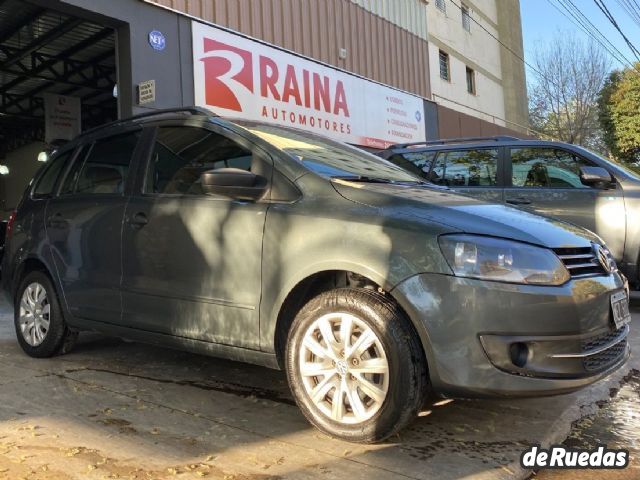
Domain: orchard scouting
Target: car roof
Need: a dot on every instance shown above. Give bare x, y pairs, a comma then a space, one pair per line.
468, 143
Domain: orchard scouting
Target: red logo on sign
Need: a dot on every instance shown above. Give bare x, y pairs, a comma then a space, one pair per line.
225, 65
230, 69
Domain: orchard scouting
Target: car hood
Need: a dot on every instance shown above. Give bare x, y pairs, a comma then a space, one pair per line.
466, 214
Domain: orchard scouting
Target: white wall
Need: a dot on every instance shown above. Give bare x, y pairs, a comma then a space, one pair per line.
488, 99
23, 164
475, 49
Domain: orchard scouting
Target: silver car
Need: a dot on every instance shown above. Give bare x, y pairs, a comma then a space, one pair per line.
555, 179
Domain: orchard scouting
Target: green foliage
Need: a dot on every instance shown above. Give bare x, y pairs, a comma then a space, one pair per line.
619, 114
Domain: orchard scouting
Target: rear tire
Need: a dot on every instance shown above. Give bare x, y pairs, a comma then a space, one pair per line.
40, 326
356, 346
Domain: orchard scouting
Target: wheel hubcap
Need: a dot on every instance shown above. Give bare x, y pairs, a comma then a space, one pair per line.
34, 316
344, 368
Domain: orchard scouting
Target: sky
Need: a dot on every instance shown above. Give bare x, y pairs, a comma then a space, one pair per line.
540, 21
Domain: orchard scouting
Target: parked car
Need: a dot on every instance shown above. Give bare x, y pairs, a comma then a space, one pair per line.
555, 179
283, 248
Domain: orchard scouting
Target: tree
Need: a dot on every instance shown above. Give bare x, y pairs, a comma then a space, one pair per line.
563, 101
619, 114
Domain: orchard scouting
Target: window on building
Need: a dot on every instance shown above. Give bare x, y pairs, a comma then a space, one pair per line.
441, 5
471, 81
466, 17
445, 70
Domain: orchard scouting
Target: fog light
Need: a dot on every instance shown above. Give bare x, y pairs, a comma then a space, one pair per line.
519, 353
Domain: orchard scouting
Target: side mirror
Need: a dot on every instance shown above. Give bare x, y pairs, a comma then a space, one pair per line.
233, 183
595, 176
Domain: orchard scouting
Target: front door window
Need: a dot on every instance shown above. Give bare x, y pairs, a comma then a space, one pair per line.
546, 168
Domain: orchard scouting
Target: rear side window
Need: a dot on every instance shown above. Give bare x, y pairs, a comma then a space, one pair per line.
47, 181
466, 168
106, 167
182, 154
546, 168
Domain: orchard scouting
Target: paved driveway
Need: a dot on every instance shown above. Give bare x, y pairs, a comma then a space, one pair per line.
113, 409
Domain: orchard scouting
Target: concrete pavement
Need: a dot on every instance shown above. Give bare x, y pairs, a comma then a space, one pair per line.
113, 409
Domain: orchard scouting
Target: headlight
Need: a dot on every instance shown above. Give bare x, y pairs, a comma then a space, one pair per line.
499, 260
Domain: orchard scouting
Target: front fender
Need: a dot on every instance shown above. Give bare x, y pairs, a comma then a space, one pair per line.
333, 233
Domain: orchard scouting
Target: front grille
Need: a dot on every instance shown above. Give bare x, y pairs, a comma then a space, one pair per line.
596, 342
580, 261
602, 360
608, 357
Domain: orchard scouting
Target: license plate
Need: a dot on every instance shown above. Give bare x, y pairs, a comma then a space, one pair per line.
620, 307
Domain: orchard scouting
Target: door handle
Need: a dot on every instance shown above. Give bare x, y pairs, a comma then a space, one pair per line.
139, 220
519, 201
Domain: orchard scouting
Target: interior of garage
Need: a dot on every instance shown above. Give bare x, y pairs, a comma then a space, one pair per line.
44, 51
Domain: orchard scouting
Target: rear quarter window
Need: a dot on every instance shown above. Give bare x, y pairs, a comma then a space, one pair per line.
47, 181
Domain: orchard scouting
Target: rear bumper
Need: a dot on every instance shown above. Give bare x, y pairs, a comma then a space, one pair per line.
495, 339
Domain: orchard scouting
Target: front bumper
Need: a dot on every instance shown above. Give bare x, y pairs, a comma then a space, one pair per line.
495, 339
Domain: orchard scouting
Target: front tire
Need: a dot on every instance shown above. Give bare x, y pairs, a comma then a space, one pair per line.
355, 365
40, 326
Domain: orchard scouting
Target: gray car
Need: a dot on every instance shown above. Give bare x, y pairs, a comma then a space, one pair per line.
269, 245
555, 179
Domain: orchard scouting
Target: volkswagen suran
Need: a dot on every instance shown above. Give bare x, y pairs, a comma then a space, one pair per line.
269, 245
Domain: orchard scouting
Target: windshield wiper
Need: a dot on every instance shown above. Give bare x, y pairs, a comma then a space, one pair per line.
366, 179
361, 178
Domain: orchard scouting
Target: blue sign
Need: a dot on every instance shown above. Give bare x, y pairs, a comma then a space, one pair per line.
418, 116
157, 40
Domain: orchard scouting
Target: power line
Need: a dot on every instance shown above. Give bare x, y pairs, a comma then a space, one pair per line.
595, 29
635, 8
508, 48
592, 32
603, 8
630, 10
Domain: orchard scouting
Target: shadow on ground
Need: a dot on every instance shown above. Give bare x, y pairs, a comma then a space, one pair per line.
134, 411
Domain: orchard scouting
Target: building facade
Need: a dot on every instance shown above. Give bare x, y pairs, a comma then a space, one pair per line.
368, 72
465, 57
475, 53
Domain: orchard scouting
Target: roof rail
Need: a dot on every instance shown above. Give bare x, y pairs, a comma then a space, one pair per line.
154, 113
497, 138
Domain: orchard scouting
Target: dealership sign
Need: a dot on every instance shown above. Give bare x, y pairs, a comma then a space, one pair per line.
62, 116
241, 78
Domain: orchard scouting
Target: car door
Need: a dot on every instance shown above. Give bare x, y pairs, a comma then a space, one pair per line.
84, 224
470, 171
192, 262
547, 180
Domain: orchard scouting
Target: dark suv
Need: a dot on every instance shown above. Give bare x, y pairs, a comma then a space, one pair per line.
283, 248
555, 179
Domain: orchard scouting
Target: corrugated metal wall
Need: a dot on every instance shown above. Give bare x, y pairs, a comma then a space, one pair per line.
408, 14
376, 48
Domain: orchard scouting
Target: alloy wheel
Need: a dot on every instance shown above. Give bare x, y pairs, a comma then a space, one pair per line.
344, 368
35, 312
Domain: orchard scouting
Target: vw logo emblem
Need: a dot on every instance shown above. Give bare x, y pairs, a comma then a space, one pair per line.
604, 258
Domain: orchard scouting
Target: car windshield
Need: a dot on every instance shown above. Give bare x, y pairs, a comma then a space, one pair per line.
630, 171
329, 158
